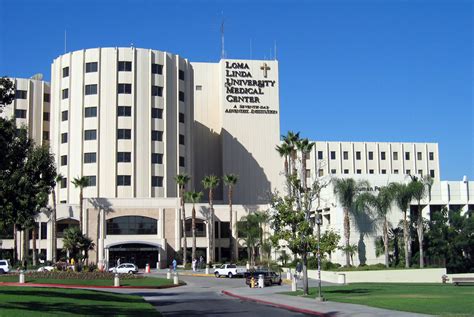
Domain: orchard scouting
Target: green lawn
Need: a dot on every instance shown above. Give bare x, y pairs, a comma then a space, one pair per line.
436, 299
32, 301
147, 281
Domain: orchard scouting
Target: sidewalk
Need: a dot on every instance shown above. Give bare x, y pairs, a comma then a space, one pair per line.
310, 306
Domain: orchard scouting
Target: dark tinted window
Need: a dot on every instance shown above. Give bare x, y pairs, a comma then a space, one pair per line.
91, 89
65, 72
45, 116
46, 97
131, 225
124, 180
20, 94
20, 113
156, 158
124, 157
181, 117
124, 88
64, 115
157, 181
90, 157
124, 111
156, 69
156, 113
63, 160
90, 112
181, 139
124, 66
63, 137
124, 134
181, 75
156, 135
181, 96
156, 91
65, 94
90, 135
91, 67
91, 180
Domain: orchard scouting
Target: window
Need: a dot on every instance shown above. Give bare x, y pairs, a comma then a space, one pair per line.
91, 89
333, 171
181, 75
198, 87
359, 171
45, 116
46, 97
156, 158
345, 155
358, 155
91, 67
124, 180
20, 94
181, 117
124, 111
420, 172
64, 115
346, 171
181, 96
156, 113
308, 173
20, 113
157, 91
419, 156
432, 173
407, 156
44, 230
408, 172
64, 182
65, 93
64, 137
124, 157
320, 172
156, 181
124, 134
124, 66
65, 72
371, 171
431, 156
320, 155
90, 135
124, 88
382, 156
90, 157
91, 180
181, 139
395, 156
132, 225
395, 171
156, 135
45, 135
63, 160
156, 69
384, 171
371, 155
333, 155
181, 161
90, 112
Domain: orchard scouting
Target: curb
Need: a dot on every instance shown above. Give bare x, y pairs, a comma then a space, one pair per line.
287, 307
75, 286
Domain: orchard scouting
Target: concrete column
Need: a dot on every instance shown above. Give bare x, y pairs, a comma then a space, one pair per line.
161, 223
49, 241
101, 233
208, 242
235, 235
177, 229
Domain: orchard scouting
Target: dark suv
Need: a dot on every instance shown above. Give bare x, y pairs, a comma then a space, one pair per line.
270, 277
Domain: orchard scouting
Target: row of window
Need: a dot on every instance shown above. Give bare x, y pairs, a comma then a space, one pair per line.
122, 134
23, 94
122, 157
122, 180
345, 155
122, 111
371, 171
156, 91
122, 66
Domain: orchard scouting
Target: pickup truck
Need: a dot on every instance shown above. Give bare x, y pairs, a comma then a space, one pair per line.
229, 270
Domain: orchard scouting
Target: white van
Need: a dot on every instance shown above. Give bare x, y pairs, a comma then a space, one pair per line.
4, 266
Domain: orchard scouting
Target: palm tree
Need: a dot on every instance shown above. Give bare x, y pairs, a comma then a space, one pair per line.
403, 197
76, 243
250, 230
347, 190
230, 180
285, 151
194, 198
291, 139
420, 188
305, 148
381, 204
262, 219
210, 182
57, 179
80, 182
182, 180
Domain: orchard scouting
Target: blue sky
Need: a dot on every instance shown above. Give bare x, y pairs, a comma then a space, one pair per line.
378, 70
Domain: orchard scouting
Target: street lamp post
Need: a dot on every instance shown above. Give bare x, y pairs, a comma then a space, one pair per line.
320, 297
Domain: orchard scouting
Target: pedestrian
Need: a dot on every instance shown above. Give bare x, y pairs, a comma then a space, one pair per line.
299, 269
194, 264
174, 265
118, 262
201, 262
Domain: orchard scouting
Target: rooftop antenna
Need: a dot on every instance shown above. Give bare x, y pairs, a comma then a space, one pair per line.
65, 41
222, 37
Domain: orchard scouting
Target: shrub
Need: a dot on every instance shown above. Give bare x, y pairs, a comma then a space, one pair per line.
72, 275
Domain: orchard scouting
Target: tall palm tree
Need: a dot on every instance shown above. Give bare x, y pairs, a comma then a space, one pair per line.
210, 182
230, 180
250, 231
305, 147
381, 205
57, 179
285, 151
347, 190
182, 180
291, 139
262, 219
194, 198
403, 197
420, 188
80, 182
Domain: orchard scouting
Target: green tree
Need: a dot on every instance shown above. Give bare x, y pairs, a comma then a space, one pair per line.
80, 182
285, 151
77, 244
250, 231
347, 190
403, 197
7, 92
210, 182
194, 198
230, 180
329, 242
284, 257
54, 213
182, 180
305, 147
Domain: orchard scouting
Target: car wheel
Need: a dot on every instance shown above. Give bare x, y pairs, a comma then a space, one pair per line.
279, 282
2, 271
230, 275
216, 274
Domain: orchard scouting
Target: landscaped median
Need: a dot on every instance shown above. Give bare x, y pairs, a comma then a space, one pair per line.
435, 299
89, 279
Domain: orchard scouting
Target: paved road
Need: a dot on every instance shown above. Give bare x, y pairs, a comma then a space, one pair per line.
202, 297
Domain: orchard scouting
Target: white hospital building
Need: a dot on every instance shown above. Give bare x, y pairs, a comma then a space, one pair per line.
131, 119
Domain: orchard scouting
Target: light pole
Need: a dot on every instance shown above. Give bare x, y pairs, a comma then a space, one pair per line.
320, 297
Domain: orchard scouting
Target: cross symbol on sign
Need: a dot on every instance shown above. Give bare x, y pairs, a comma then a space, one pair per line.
265, 68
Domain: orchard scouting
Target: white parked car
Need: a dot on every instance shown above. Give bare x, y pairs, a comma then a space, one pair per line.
46, 268
229, 270
125, 268
4, 266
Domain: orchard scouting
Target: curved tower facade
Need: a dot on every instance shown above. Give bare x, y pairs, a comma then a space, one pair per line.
122, 118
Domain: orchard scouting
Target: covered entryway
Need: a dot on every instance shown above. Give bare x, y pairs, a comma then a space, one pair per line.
138, 253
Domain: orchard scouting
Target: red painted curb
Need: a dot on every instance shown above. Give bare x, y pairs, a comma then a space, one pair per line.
73, 286
291, 308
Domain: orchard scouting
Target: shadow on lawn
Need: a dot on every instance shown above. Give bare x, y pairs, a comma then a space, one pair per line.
351, 291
